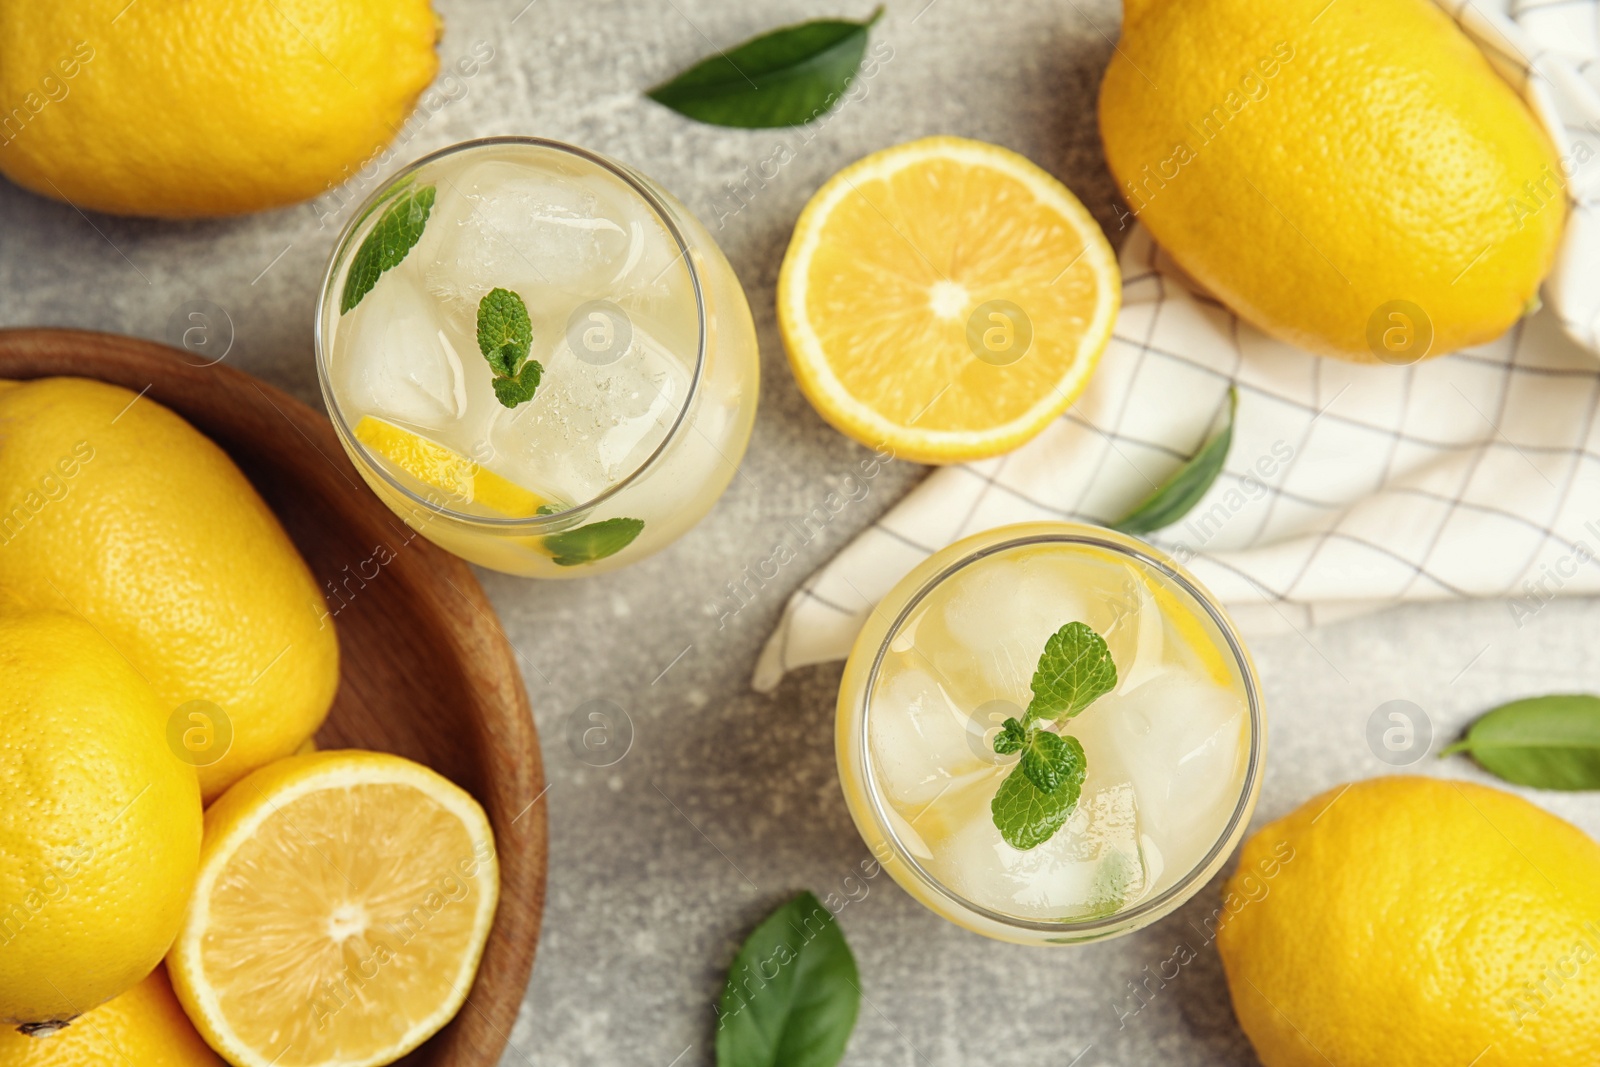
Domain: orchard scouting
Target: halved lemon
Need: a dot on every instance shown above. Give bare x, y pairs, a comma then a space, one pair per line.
945, 299
464, 480
340, 913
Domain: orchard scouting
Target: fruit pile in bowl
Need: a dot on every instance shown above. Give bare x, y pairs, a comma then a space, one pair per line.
184, 876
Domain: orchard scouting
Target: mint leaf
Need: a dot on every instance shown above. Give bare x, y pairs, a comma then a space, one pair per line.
785, 77
513, 391
1012, 736
386, 244
505, 333
1187, 485
1028, 816
792, 994
1075, 670
1047, 759
594, 541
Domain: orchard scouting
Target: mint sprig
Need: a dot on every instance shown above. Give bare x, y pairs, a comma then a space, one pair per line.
1041, 791
505, 335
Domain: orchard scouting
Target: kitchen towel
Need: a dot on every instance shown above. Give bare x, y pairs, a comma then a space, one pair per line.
1347, 487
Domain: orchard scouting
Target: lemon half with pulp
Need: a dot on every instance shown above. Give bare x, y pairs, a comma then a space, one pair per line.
945, 299
342, 906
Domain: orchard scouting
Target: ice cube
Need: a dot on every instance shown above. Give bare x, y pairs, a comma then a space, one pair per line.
1136, 635
1092, 866
588, 427
645, 390
650, 266
1181, 738
393, 357
999, 618
921, 741
494, 226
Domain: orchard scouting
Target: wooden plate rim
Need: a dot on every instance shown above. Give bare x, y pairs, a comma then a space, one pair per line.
480, 1032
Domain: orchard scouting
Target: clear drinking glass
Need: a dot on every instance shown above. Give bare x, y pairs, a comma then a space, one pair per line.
1174, 752
649, 363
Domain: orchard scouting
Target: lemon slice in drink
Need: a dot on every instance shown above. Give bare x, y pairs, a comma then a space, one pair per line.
463, 480
340, 912
945, 299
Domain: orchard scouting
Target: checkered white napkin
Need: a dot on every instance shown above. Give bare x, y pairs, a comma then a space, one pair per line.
1347, 487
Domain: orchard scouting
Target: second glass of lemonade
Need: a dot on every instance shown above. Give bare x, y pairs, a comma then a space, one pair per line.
537, 357
1169, 746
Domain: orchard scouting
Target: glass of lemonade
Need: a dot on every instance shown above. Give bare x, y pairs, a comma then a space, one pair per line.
1173, 749
536, 357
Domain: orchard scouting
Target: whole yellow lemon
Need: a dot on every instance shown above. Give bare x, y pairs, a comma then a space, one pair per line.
115, 509
1351, 177
1416, 922
144, 1027
177, 109
100, 826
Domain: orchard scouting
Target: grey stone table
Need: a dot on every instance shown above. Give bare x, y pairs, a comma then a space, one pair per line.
727, 801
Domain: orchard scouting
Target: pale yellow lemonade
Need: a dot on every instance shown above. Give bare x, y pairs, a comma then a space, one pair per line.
1174, 750
649, 370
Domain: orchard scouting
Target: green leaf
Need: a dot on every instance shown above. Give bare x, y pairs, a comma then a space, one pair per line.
1012, 736
1075, 670
505, 333
594, 541
786, 77
1046, 760
513, 391
1028, 816
792, 993
386, 244
1187, 485
1549, 742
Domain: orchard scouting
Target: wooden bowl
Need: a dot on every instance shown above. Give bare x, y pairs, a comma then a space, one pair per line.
426, 671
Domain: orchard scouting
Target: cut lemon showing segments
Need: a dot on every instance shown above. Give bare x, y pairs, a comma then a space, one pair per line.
340, 912
945, 299
462, 479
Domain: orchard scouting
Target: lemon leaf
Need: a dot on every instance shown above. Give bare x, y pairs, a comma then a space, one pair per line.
1187, 485
792, 994
398, 229
1548, 742
786, 77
